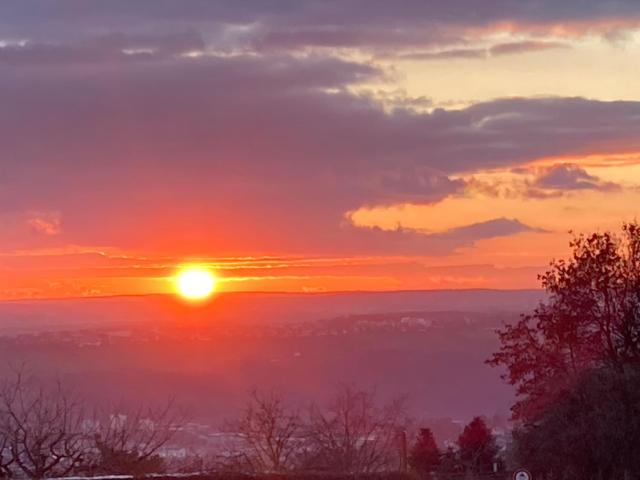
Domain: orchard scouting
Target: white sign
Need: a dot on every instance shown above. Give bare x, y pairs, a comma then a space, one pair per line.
522, 474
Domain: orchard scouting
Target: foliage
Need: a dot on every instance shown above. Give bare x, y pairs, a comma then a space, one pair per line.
593, 431
575, 362
122, 462
425, 455
591, 319
224, 475
450, 465
477, 447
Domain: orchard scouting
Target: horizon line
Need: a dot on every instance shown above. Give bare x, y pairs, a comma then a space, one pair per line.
267, 292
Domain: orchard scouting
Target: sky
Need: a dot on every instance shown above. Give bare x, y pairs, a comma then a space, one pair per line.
306, 145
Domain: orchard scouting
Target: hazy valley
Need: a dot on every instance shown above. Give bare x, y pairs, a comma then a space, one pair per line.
428, 345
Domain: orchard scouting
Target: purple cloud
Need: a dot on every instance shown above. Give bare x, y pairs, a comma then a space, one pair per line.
416, 242
209, 154
105, 49
497, 227
293, 25
571, 177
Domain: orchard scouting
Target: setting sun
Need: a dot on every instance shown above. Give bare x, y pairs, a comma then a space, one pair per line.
195, 283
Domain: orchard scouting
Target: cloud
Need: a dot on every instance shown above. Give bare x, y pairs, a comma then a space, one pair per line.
45, 223
571, 177
21, 228
449, 54
419, 185
178, 129
413, 241
537, 182
498, 227
375, 25
214, 153
296, 25
500, 49
105, 49
511, 48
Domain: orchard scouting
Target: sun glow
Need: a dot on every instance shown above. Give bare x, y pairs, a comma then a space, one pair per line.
195, 283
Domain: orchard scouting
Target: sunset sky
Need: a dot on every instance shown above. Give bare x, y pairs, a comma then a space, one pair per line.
294, 145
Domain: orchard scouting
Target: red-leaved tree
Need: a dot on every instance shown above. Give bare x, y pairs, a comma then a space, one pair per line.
591, 319
575, 362
477, 447
425, 455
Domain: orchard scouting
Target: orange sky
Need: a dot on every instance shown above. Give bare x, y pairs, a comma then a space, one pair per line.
313, 148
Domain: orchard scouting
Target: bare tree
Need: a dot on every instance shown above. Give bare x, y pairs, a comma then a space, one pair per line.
269, 434
354, 434
128, 441
41, 428
6, 459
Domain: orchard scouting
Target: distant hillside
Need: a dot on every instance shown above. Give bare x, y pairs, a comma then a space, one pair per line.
428, 345
43, 315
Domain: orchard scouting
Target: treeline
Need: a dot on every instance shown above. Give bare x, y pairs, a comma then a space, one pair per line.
352, 434
47, 432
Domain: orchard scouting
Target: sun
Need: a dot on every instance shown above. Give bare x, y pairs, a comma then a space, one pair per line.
195, 283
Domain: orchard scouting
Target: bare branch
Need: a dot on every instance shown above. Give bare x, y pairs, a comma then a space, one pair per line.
269, 434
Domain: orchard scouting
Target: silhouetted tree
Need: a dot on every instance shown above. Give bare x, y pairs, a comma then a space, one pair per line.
269, 434
585, 433
355, 434
40, 428
6, 459
425, 455
477, 446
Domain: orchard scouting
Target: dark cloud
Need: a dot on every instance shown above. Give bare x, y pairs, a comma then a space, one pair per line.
403, 241
211, 154
541, 183
498, 227
571, 177
289, 24
321, 10
105, 49
420, 185
409, 241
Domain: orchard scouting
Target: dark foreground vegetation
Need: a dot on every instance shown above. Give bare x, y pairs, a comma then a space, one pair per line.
47, 432
292, 476
574, 361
